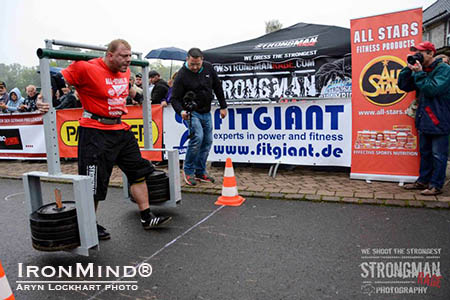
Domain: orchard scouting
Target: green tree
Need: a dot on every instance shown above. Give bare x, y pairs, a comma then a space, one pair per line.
273, 25
16, 75
163, 70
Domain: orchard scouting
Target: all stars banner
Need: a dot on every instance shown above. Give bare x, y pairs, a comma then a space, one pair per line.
384, 138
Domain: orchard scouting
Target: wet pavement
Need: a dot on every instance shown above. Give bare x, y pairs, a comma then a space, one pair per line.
264, 249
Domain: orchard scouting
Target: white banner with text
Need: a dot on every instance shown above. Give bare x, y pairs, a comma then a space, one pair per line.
313, 132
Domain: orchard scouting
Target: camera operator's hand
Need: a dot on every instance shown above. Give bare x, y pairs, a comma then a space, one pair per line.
223, 113
185, 115
41, 105
417, 67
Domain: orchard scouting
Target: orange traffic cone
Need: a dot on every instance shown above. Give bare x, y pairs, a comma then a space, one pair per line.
5, 289
230, 195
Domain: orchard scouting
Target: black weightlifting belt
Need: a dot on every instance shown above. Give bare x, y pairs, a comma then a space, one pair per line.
103, 120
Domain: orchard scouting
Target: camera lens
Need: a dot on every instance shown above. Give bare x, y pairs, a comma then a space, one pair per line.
411, 60
416, 57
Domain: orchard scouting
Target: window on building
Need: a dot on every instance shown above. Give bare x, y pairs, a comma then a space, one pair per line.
448, 33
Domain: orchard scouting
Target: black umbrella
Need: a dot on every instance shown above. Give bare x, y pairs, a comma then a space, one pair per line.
171, 53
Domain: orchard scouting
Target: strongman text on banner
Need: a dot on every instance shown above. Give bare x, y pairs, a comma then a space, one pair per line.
384, 139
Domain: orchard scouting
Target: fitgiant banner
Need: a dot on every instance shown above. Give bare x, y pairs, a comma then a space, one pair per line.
384, 139
301, 133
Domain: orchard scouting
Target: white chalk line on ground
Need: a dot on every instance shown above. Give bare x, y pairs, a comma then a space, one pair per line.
12, 195
165, 246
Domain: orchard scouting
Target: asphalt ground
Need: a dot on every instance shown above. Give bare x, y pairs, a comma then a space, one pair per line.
264, 249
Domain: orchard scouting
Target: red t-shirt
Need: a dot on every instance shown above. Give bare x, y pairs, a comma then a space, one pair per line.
101, 91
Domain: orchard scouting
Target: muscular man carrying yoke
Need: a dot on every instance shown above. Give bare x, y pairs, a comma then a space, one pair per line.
104, 139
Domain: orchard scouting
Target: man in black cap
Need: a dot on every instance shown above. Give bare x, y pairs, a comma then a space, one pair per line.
160, 89
138, 81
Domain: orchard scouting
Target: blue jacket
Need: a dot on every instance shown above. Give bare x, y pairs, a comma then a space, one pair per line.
433, 95
14, 105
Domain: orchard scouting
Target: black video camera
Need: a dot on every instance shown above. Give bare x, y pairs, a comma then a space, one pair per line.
189, 102
416, 57
190, 105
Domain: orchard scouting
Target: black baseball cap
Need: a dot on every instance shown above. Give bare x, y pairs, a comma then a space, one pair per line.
139, 75
2, 83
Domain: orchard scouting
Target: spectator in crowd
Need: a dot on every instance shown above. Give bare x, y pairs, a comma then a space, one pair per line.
139, 80
196, 81
69, 99
150, 86
3, 92
430, 79
159, 91
58, 84
133, 84
135, 94
29, 104
15, 100
166, 100
444, 58
134, 98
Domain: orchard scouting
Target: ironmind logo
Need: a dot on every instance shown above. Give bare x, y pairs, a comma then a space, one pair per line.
300, 42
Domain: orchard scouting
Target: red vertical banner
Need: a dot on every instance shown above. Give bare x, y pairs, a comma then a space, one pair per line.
384, 139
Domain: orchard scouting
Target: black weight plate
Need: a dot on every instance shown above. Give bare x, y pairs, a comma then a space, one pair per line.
38, 221
158, 191
155, 198
55, 235
153, 195
50, 211
156, 186
56, 248
152, 190
159, 195
54, 229
158, 200
157, 174
160, 181
56, 245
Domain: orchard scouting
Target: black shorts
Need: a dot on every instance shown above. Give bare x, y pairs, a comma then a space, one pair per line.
98, 152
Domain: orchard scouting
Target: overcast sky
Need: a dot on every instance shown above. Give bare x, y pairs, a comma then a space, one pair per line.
147, 25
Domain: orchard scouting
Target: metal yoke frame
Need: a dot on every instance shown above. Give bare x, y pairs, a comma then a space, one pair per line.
82, 185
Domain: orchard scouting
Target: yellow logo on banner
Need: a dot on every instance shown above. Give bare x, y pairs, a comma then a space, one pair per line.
69, 131
378, 80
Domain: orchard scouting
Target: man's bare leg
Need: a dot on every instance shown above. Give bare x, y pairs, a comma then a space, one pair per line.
139, 192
